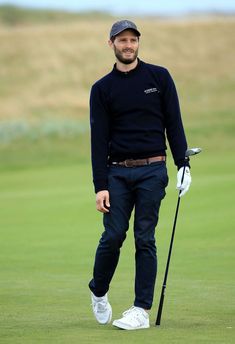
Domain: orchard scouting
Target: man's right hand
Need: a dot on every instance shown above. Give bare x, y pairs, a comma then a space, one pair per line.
102, 201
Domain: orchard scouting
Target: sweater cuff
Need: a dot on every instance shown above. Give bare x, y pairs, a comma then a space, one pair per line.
100, 185
183, 163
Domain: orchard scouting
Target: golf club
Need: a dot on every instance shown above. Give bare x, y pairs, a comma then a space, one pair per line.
188, 153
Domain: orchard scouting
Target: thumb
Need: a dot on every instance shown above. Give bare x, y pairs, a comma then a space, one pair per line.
179, 178
178, 184
183, 192
107, 199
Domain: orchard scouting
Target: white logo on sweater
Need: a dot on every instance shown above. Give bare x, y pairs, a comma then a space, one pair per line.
151, 90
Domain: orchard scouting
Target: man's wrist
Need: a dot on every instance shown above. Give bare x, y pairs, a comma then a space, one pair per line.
100, 185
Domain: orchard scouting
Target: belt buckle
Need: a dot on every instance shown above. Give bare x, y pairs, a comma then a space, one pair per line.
129, 163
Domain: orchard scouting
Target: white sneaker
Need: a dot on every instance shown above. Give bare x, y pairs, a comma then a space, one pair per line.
101, 308
134, 318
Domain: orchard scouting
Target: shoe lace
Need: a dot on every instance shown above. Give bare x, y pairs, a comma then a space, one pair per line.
130, 310
100, 306
136, 314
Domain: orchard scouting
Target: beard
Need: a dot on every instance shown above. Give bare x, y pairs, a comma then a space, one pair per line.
122, 59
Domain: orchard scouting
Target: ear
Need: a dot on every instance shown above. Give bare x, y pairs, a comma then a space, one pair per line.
110, 43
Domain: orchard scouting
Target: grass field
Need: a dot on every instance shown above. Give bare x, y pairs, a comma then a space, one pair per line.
49, 227
49, 231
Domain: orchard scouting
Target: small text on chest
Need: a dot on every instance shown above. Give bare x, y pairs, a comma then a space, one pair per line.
151, 90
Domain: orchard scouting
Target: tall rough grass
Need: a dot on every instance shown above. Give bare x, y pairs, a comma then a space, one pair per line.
47, 69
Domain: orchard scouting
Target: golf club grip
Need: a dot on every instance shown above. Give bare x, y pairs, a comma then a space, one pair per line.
159, 313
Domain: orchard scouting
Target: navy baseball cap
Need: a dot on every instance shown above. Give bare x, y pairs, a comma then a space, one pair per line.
122, 25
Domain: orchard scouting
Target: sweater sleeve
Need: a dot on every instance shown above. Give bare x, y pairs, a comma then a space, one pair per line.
174, 126
99, 122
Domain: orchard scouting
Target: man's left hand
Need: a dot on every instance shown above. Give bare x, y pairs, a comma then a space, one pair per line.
183, 187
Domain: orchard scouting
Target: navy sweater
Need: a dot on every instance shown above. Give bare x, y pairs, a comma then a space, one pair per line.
130, 112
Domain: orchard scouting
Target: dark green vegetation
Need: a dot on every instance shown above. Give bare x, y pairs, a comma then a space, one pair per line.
13, 15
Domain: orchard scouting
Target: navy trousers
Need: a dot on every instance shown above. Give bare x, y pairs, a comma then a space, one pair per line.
142, 189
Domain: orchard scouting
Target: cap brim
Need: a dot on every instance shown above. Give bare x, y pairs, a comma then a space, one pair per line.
117, 33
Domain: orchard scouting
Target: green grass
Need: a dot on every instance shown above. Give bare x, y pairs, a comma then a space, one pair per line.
49, 227
49, 232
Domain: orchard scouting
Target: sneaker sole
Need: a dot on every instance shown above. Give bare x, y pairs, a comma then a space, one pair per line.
123, 326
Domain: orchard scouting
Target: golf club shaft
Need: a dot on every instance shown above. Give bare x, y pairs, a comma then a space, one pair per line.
160, 307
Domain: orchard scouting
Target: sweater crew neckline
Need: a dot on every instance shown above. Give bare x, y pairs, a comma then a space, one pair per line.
131, 72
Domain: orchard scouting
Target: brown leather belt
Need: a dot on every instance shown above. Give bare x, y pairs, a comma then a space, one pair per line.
139, 162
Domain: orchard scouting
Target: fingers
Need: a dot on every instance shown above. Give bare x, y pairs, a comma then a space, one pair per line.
183, 186
183, 191
178, 185
102, 201
107, 203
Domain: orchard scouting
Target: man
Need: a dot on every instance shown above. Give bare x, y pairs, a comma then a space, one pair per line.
131, 109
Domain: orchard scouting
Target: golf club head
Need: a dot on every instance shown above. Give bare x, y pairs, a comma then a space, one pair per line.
192, 151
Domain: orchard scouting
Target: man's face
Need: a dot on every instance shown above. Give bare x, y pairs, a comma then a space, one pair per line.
125, 46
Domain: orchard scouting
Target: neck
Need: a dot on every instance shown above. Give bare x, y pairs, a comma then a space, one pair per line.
122, 67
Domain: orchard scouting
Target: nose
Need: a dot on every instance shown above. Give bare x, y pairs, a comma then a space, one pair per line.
129, 44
